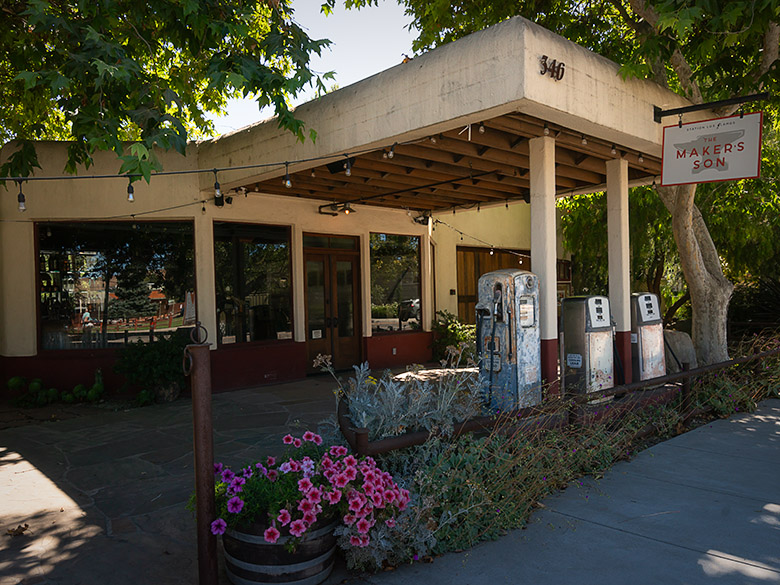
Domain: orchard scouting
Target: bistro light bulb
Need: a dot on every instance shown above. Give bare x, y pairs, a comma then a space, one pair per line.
640, 159
130, 192
391, 154
481, 128
584, 140
287, 182
613, 150
20, 199
546, 130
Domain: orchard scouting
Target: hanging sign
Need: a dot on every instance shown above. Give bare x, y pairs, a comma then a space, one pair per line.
724, 149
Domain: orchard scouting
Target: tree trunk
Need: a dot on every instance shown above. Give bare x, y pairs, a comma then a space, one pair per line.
710, 290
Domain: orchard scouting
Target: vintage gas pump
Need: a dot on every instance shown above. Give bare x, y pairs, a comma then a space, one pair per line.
586, 344
647, 337
508, 339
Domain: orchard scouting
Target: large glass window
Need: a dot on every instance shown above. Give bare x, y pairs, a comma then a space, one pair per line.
253, 278
103, 284
395, 283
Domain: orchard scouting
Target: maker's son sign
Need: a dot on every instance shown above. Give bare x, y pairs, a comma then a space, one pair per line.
724, 149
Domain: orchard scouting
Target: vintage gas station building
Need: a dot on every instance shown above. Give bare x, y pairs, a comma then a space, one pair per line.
450, 165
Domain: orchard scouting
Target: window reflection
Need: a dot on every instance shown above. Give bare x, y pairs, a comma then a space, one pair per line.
254, 292
103, 284
395, 283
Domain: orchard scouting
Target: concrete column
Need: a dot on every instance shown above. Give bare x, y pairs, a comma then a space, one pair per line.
206, 297
18, 292
544, 252
299, 282
619, 263
426, 281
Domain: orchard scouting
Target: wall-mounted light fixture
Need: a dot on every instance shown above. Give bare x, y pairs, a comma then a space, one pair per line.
335, 208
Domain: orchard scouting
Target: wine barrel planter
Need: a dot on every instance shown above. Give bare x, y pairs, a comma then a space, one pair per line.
250, 560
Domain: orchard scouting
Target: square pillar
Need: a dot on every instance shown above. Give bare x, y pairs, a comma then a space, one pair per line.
205, 279
619, 261
544, 252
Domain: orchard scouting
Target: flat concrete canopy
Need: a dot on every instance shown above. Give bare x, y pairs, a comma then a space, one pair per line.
451, 128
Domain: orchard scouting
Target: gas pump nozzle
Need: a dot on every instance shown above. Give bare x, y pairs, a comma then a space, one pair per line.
498, 308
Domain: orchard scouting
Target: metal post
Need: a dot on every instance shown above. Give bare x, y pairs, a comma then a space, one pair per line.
687, 394
203, 448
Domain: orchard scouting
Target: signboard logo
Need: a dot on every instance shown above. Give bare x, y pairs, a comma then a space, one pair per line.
724, 149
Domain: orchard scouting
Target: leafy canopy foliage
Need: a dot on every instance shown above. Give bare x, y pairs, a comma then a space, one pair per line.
100, 73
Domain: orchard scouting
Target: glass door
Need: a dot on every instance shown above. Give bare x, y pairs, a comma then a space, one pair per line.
332, 307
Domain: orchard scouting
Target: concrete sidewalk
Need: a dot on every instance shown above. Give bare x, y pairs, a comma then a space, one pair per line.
103, 495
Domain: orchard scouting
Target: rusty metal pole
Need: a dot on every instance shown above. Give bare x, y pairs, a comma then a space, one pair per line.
203, 447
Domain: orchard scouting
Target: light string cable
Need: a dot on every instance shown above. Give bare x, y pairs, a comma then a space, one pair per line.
478, 240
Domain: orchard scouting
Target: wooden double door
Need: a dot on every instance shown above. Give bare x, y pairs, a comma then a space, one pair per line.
333, 306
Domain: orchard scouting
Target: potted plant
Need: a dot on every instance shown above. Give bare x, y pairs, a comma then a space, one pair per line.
277, 516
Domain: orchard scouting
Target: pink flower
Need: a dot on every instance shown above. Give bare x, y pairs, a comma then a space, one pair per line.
304, 485
261, 468
326, 463
237, 485
297, 443
308, 436
305, 506
350, 461
235, 505
350, 472
363, 526
390, 496
297, 527
218, 527
227, 475
349, 519
340, 480
310, 518
378, 500
355, 541
317, 440
270, 461
390, 522
333, 497
273, 474
271, 535
314, 495
288, 440
284, 517
338, 450
356, 502
294, 466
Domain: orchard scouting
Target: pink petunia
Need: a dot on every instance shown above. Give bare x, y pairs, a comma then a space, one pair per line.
294, 466
270, 461
340, 480
390, 496
355, 504
333, 497
218, 527
304, 485
350, 461
390, 522
308, 436
310, 518
305, 506
227, 475
349, 519
355, 541
284, 517
288, 439
350, 472
314, 495
363, 526
317, 440
378, 499
297, 527
235, 505
297, 443
273, 475
338, 450
271, 535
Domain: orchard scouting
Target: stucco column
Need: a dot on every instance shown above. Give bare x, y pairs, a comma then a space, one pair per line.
544, 252
18, 292
205, 285
619, 263
299, 282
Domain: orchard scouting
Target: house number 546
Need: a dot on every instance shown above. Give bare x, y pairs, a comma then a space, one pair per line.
554, 68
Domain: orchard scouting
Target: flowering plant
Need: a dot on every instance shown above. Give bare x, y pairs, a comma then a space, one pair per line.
311, 482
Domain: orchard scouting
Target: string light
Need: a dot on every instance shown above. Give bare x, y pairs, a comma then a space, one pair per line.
348, 167
130, 191
287, 181
313, 174
391, 154
613, 150
584, 140
491, 251
640, 159
20, 198
481, 128
546, 130
219, 201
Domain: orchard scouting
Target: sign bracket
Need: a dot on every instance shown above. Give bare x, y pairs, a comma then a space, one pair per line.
658, 113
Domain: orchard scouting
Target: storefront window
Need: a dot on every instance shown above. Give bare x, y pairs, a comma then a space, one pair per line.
103, 284
253, 278
395, 283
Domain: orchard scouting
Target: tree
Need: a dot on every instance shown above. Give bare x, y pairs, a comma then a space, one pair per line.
102, 73
704, 49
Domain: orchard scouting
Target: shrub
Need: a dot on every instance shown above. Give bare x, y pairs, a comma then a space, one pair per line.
449, 331
155, 366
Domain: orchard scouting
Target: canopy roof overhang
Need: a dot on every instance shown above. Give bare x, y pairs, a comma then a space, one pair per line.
451, 129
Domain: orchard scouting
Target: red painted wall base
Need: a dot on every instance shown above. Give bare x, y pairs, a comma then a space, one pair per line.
623, 342
244, 366
550, 367
409, 348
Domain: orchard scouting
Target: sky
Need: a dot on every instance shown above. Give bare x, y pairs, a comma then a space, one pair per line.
364, 42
